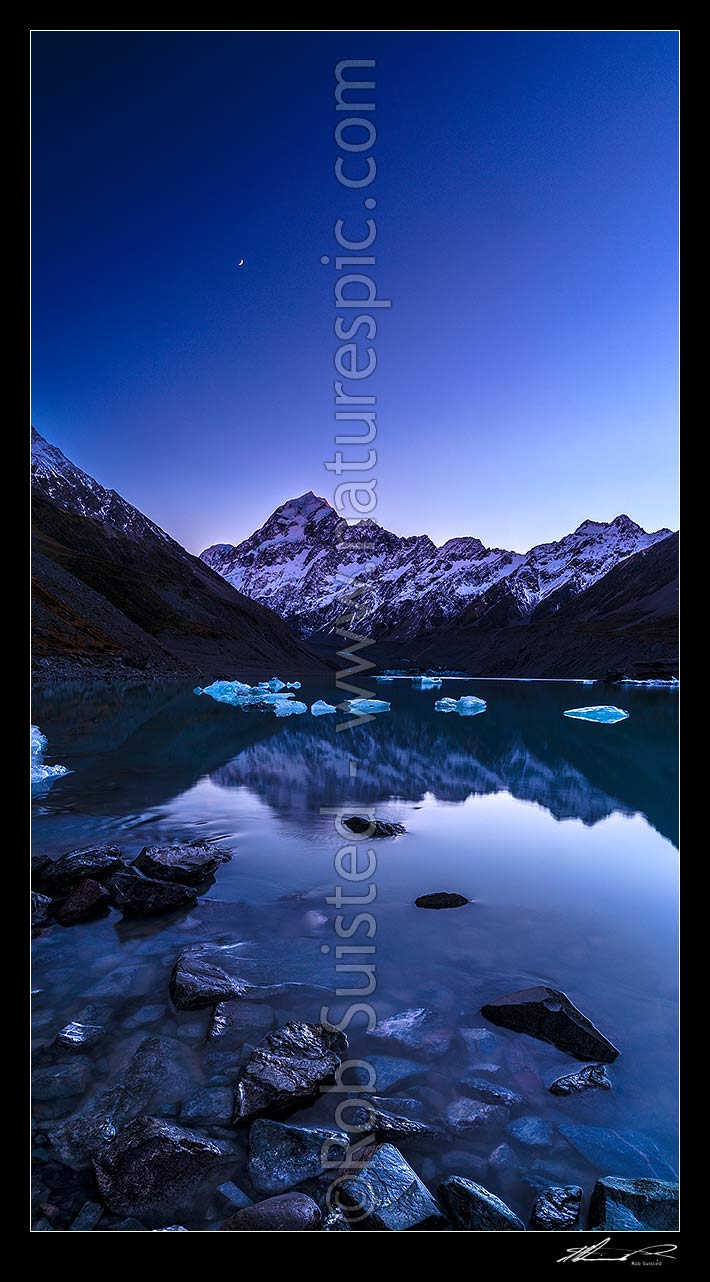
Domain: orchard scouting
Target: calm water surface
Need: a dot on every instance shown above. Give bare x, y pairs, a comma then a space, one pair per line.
563, 833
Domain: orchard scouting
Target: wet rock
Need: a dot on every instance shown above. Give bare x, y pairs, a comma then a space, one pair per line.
96, 862
482, 1044
503, 1160
550, 1016
122, 982
41, 909
373, 828
468, 1116
628, 1152
155, 1075
421, 1030
472, 1207
441, 899
387, 1125
532, 1132
211, 1106
388, 1073
77, 1036
557, 1208
172, 1228
229, 1197
87, 899
463, 1162
387, 1195
208, 974
618, 1204
187, 864
335, 1222
38, 863
400, 1104
140, 896
235, 1022
154, 1167
490, 1092
144, 1016
87, 1219
289, 1065
592, 1077
281, 1156
61, 1081
289, 1213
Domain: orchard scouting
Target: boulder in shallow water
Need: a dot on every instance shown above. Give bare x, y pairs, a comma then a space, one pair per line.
289, 1213
97, 862
470, 1206
61, 1081
282, 1156
490, 1092
592, 1077
420, 1029
153, 1167
387, 1195
289, 1065
41, 907
620, 1204
557, 1208
441, 899
207, 974
210, 1106
550, 1016
236, 1022
187, 864
532, 1132
88, 898
140, 896
77, 1036
373, 828
471, 1117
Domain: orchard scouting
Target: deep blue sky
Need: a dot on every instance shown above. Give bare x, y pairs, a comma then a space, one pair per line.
527, 203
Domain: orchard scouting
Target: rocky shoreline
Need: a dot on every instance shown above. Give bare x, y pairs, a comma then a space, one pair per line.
157, 1146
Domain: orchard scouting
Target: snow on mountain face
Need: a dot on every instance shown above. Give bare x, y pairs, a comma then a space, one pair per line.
54, 476
304, 559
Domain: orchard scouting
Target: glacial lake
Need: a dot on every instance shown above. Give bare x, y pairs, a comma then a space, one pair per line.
562, 833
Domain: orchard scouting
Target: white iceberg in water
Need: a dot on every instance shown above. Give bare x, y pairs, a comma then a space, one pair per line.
605, 713
426, 683
293, 685
368, 705
671, 684
320, 708
39, 772
226, 691
289, 708
467, 706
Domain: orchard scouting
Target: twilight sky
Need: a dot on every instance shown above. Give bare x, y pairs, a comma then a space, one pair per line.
526, 207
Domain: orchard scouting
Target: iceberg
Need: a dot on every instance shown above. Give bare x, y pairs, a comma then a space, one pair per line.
605, 713
671, 684
226, 691
289, 708
275, 684
368, 705
39, 772
293, 685
426, 683
384, 677
320, 708
467, 706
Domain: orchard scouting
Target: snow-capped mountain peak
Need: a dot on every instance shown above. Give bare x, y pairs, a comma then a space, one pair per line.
304, 558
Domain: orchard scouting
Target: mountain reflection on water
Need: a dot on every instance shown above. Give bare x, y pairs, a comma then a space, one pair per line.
141, 745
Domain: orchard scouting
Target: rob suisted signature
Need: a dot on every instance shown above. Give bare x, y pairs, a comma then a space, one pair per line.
601, 1251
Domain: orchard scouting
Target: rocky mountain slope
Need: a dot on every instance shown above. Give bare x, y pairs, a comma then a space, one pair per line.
303, 558
113, 593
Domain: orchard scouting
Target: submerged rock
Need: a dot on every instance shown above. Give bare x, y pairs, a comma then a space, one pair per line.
140, 896
389, 1073
421, 1030
289, 1213
592, 1077
61, 1081
490, 1092
210, 1106
557, 1208
441, 899
41, 908
466, 1116
208, 974
470, 1206
289, 1065
96, 862
282, 1156
186, 864
387, 1195
236, 1022
153, 1167
386, 1125
627, 1151
373, 828
88, 899
618, 1204
550, 1016
533, 1132
231, 1198
76, 1036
